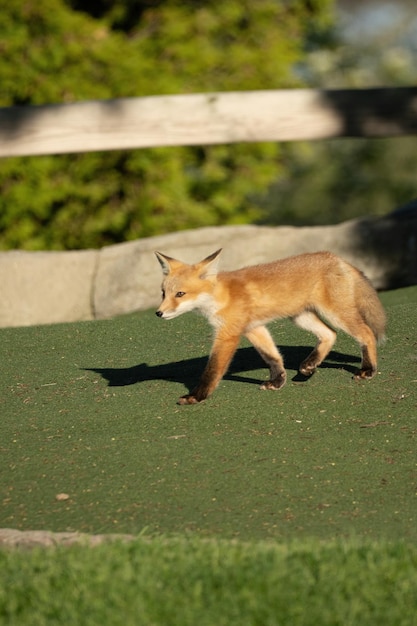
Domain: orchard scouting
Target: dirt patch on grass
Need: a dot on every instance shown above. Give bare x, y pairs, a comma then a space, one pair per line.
11, 538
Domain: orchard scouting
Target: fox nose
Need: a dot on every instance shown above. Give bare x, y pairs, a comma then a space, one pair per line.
159, 313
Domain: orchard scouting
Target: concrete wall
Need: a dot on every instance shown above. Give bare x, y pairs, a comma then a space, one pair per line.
51, 287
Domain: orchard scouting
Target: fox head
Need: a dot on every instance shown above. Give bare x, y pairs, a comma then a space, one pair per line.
187, 287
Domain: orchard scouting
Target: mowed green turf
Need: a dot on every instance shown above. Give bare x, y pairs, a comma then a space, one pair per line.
189, 582
89, 410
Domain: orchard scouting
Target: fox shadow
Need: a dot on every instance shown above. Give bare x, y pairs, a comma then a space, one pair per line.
188, 371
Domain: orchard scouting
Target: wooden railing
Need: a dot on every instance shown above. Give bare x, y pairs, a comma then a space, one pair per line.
210, 118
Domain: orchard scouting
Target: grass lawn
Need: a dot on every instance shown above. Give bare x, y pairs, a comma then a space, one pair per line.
89, 410
193, 582
296, 507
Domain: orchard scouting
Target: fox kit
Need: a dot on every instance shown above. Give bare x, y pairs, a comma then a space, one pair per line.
305, 288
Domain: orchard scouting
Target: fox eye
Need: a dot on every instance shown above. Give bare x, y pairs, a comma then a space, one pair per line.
163, 294
180, 294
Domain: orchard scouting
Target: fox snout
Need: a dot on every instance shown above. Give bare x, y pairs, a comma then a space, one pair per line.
166, 315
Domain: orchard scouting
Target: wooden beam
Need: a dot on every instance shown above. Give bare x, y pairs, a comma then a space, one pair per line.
211, 118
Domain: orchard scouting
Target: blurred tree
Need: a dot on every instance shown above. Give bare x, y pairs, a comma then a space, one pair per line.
330, 181
57, 51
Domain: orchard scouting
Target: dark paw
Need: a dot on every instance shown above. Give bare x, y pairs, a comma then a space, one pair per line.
276, 383
188, 399
307, 368
365, 374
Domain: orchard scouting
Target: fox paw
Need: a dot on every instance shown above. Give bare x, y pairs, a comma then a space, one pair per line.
274, 384
306, 369
188, 399
365, 374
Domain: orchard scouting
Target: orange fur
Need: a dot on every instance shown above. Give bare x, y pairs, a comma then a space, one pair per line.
305, 288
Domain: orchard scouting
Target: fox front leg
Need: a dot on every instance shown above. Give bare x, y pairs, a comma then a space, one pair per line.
219, 360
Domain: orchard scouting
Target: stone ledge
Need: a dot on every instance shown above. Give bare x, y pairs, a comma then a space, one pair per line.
51, 287
46, 287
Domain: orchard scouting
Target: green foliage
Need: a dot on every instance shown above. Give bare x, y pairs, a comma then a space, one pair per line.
330, 181
336, 180
52, 53
171, 581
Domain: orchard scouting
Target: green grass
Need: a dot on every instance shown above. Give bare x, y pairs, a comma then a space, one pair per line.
90, 410
316, 484
211, 583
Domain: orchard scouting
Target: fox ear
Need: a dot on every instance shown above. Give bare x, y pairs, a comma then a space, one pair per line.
166, 262
210, 265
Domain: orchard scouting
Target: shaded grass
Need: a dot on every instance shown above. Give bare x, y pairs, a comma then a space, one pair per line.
187, 582
89, 410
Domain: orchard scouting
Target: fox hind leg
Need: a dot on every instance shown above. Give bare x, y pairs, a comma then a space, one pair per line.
265, 345
366, 339
354, 325
308, 320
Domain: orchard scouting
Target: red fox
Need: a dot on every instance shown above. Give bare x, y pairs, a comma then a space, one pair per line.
305, 288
